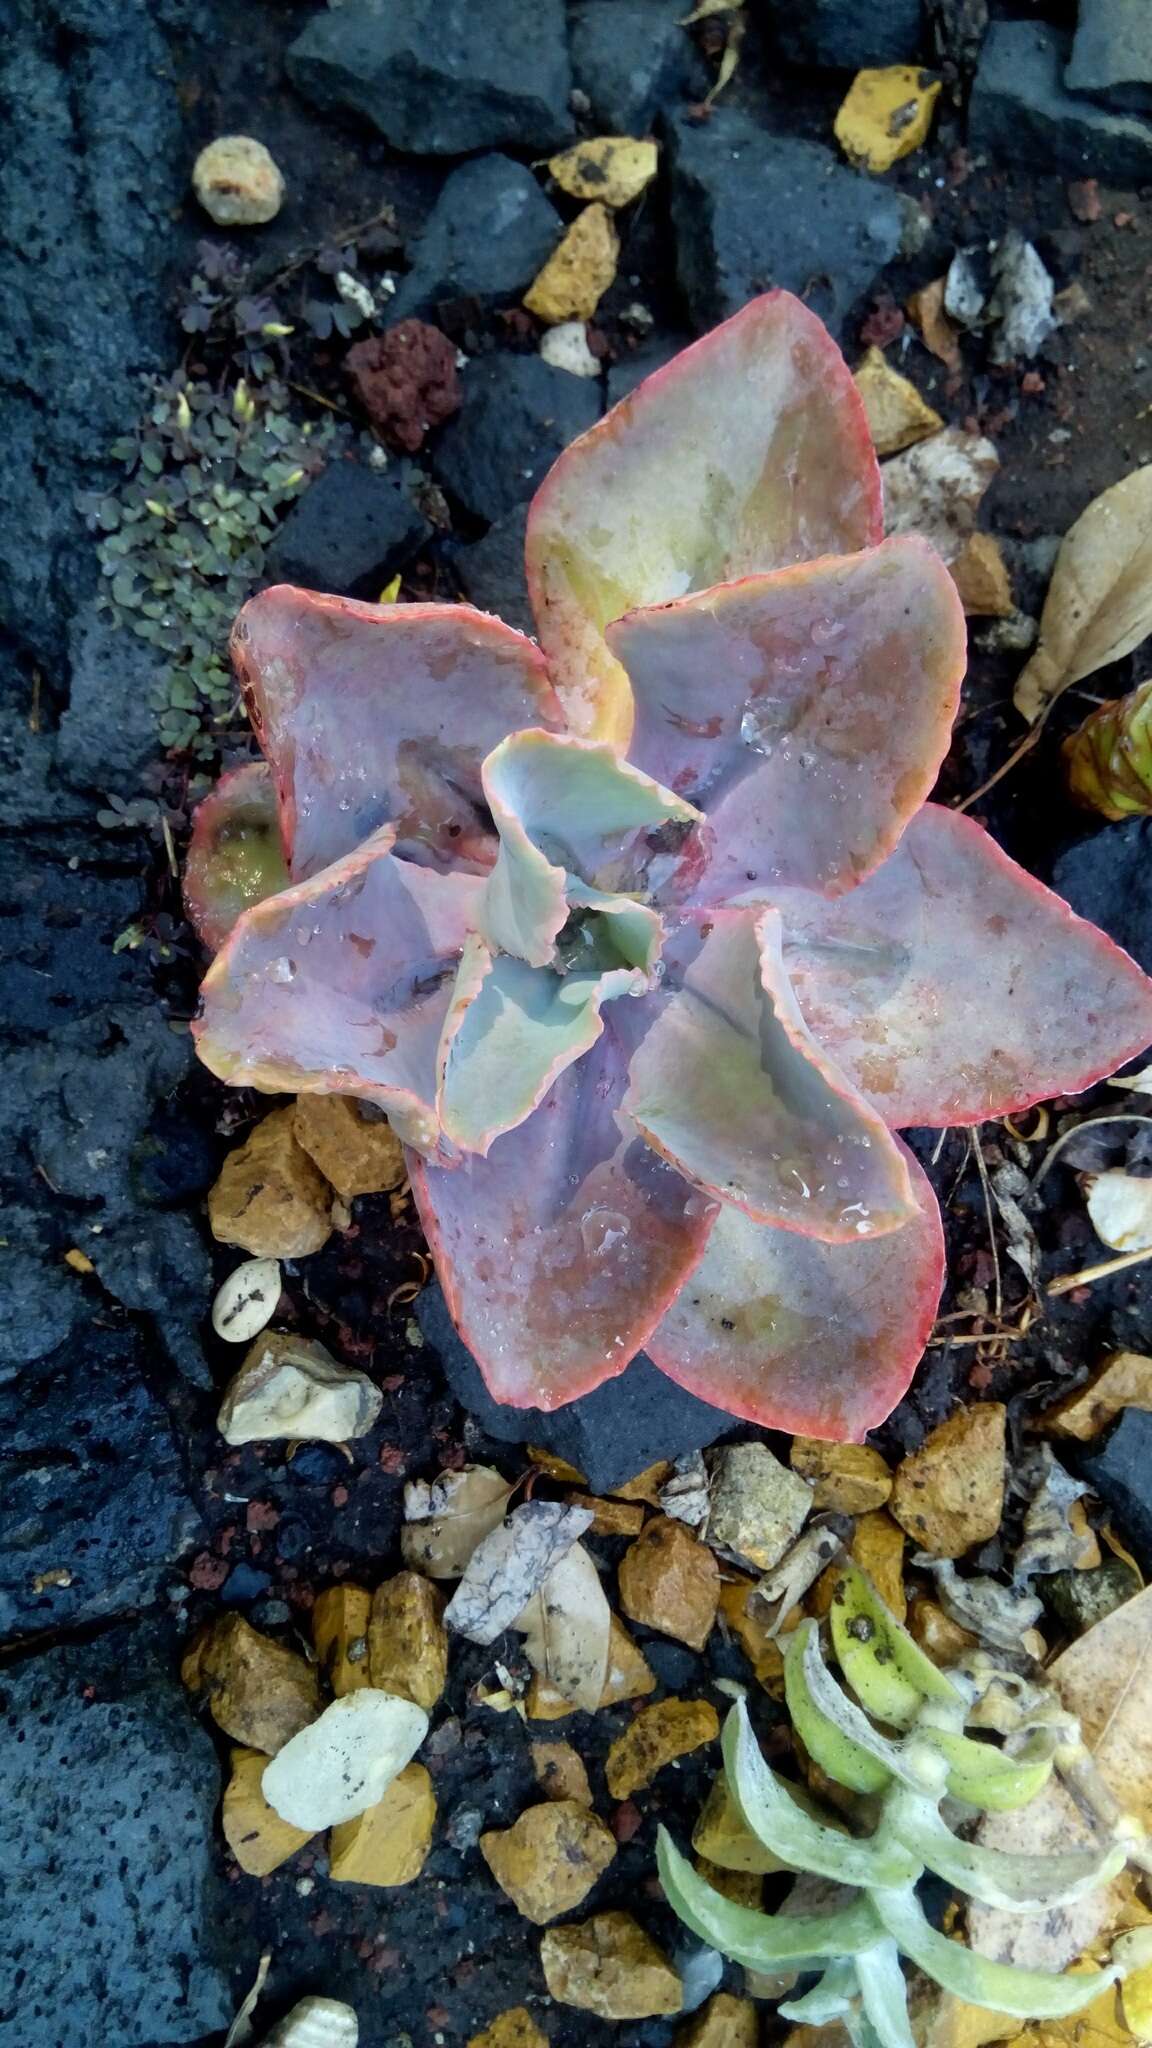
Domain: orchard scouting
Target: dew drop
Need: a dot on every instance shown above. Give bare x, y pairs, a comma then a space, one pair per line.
282, 970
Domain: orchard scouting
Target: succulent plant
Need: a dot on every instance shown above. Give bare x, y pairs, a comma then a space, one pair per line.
857, 1944
646, 937
1109, 757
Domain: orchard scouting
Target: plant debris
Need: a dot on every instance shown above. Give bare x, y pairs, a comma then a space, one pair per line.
567, 1626
1109, 758
511, 1564
1099, 602
446, 1520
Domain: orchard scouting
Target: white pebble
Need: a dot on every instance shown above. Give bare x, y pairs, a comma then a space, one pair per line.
566, 348
247, 1301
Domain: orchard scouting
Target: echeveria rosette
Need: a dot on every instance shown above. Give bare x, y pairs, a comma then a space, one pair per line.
648, 1018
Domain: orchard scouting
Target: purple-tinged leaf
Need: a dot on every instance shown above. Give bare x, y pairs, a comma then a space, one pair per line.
952, 986
807, 712
372, 714
559, 1252
234, 857
820, 1339
748, 452
341, 985
729, 1086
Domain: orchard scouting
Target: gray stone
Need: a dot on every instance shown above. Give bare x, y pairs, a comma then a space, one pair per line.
41, 1302
518, 414
633, 59
349, 533
1022, 112
631, 370
1120, 1471
1112, 53
1105, 879
492, 575
842, 35
488, 234
609, 1435
158, 1266
94, 1508
751, 210
109, 1791
107, 735
441, 77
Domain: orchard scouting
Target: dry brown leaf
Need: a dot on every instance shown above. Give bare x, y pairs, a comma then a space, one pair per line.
566, 1628
445, 1521
1099, 602
510, 1566
1105, 1678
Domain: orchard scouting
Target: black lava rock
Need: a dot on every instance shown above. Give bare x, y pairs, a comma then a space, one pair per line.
674, 1665
631, 370
492, 575
1120, 1471
93, 1503
1105, 878
441, 77
841, 35
610, 1435
107, 735
633, 59
751, 209
1022, 111
1112, 54
110, 1792
349, 533
488, 234
518, 414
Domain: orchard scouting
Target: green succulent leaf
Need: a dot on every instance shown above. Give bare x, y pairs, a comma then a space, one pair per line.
886, 1668
833, 1728
989, 1778
768, 1809
1024, 1994
884, 1994
761, 1941
998, 1877
831, 1998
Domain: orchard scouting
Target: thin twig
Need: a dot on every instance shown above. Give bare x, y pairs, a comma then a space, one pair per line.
1119, 1116
1024, 747
990, 1213
940, 1143
1087, 1274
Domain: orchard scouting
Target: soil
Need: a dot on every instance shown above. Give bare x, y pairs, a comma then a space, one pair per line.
131, 1362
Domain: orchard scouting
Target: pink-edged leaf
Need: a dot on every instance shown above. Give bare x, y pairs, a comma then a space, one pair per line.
234, 856
510, 1031
341, 985
807, 712
820, 1339
729, 1086
560, 1251
376, 713
952, 986
562, 805
748, 452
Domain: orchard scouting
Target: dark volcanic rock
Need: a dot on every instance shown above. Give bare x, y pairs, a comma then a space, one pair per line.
109, 1792
610, 1435
633, 59
632, 369
107, 735
93, 1504
488, 234
492, 575
349, 533
1105, 878
59, 922
751, 210
1022, 111
441, 77
518, 414
842, 35
1112, 53
1120, 1471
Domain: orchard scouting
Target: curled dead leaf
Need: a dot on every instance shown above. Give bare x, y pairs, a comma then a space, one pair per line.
566, 1627
445, 1520
1099, 602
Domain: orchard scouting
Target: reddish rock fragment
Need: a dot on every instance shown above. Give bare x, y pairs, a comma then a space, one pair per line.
406, 381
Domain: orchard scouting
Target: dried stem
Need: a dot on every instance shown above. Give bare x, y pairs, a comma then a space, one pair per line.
1087, 1274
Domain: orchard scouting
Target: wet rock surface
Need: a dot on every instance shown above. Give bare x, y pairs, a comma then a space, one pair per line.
110, 1790
350, 532
632, 59
1102, 878
1023, 110
838, 34
518, 415
485, 239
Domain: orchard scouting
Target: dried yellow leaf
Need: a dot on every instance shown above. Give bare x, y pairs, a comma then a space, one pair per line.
578, 273
1099, 602
886, 115
611, 168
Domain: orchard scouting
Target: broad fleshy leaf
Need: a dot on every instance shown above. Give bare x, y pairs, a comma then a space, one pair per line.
782, 1825
729, 1086
510, 1031
750, 451
1017, 1882
235, 857
816, 1701
807, 712
563, 806
884, 1995
951, 986
560, 1250
372, 714
887, 1670
1025, 1994
829, 1999
342, 984
799, 1335
761, 1941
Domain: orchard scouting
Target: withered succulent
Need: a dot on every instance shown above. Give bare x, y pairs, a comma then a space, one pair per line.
646, 937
